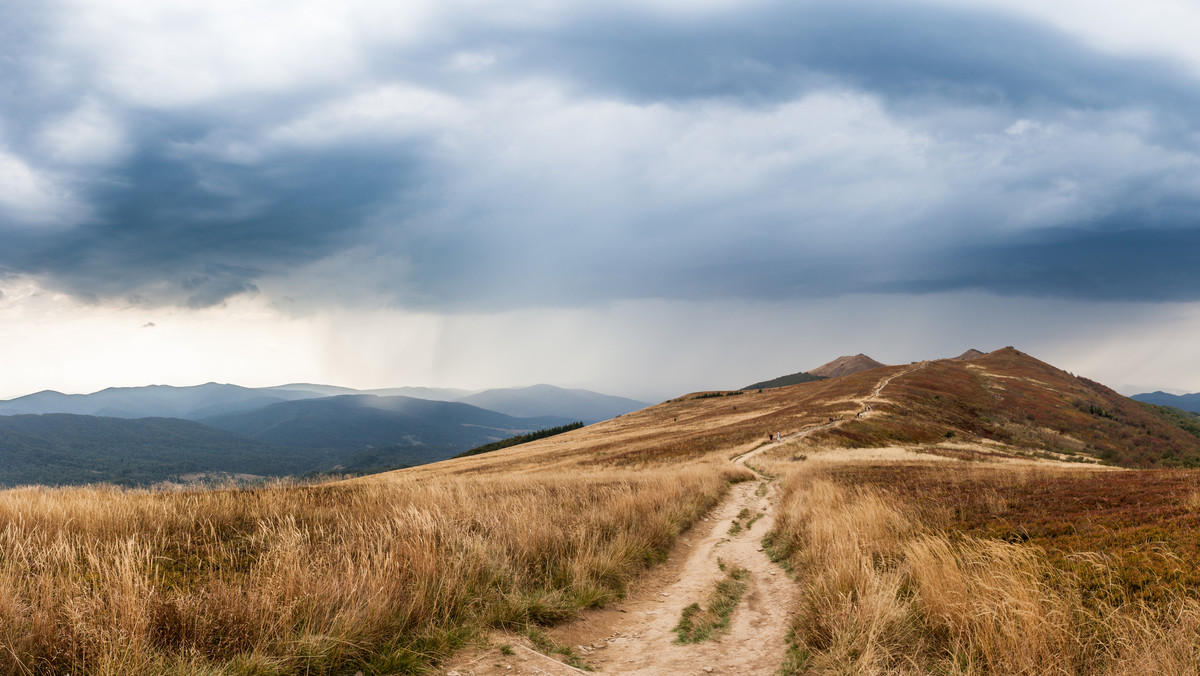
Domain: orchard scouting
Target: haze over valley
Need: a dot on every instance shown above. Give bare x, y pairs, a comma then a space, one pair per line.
147, 435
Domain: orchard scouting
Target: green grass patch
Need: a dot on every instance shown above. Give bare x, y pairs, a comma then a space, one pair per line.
736, 526
697, 624
744, 520
795, 661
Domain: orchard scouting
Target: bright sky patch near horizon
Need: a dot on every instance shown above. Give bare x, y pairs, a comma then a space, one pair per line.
639, 198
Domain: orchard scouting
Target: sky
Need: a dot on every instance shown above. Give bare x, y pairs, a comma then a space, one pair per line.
642, 198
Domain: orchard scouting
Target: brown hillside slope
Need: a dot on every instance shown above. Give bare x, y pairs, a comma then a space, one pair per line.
1009, 397
846, 365
690, 427
1004, 397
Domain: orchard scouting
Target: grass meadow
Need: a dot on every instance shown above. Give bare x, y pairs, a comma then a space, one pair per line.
382, 576
978, 568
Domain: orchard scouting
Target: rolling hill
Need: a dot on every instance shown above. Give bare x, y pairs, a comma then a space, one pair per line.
1010, 398
845, 366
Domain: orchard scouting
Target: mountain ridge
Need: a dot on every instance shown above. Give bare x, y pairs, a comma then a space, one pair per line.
196, 402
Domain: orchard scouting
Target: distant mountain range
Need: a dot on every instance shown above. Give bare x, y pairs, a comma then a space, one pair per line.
198, 402
1186, 402
142, 435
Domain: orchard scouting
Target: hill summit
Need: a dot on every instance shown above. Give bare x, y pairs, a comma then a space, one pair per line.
970, 354
846, 365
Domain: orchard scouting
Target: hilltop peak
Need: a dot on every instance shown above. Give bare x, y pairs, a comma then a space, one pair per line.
970, 354
846, 365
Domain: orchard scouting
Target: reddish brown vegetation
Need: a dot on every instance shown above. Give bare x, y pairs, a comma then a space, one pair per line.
1144, 527
1010, 397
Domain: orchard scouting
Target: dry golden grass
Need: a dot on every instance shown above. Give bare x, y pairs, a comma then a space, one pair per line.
384, 575
887, 592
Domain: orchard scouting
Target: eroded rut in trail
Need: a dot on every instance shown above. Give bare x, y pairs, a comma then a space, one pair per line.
636, 637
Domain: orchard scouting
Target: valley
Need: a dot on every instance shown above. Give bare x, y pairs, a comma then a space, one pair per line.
158, 435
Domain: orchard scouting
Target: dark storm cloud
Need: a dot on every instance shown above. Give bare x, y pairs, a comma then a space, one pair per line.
898, 51
180, 216
172, 225
1134, 264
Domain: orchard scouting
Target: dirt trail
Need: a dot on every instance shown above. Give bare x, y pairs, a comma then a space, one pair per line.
636, 637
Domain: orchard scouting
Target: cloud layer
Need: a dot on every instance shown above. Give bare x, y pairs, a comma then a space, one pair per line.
450, 156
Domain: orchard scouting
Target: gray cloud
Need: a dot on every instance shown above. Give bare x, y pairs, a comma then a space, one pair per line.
782, 151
